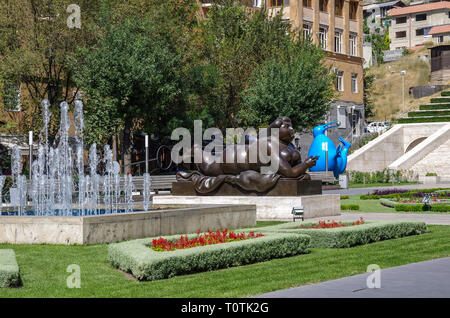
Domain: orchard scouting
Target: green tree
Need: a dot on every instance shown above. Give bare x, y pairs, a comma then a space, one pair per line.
129, 77
367, 95
296, 85
237, 40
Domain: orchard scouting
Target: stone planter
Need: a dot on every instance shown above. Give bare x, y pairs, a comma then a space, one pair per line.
430, 179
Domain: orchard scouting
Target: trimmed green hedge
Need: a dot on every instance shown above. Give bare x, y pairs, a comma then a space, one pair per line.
423, 120
345, 197
409, 207
9, 270
440, 100
420, 207
354, 207
144, 263
353, 235
388, 203
434, 107
429, 113
445, 93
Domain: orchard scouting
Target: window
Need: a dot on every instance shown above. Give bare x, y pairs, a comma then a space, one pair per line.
339, 80
440, 39
323, 5
354, 83
342, 116
338, 7
338, 42
400, 20
306, 31
401, 34
323, 38
276, 3
353, 45
353, 10
11, 97
420, 32
307, 3
421, 17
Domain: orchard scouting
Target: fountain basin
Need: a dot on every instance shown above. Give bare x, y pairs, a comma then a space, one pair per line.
162, 220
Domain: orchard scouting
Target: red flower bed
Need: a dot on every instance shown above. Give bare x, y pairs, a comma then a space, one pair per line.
331, 224
207, 238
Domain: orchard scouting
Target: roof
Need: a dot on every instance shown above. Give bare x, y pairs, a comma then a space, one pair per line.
420, 8
440, 29
382, 5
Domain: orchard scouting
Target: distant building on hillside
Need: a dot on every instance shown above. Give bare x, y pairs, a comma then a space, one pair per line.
440, 64
375, 14
410, 26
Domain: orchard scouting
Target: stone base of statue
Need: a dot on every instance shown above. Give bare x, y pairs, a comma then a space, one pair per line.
284, 187
267, 207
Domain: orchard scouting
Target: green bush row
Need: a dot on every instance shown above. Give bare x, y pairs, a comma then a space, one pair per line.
421, 207
429, 113
144, 263
445, 93
382, 176
423, 120
440, 100
408, 194
343, 237
388, 203
9, 270
349, 207
345, 197
434, 107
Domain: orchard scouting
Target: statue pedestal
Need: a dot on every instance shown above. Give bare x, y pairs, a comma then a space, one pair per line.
284, 187
267, 207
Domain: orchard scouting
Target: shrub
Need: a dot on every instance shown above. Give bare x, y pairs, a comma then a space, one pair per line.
440, 100
137, 258
345, 197
388, 203
429, 113
409, 207
440, 208
431, 174
9, 270
343, 237
349, 207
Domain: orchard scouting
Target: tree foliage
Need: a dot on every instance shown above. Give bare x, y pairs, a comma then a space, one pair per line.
296, 85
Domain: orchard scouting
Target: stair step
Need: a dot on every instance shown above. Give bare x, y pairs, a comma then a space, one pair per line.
429, 113
434, 106
414, 120
440, 100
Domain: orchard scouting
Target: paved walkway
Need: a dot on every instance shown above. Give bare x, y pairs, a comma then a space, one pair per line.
430, 279
437, 219
371, 189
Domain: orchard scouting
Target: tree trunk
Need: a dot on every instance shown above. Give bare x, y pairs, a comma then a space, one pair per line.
126, 147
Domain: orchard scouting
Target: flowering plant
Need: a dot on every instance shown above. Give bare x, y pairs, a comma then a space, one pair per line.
207, 238
332, 224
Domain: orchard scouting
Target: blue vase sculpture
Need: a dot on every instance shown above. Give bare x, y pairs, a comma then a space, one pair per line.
337, 157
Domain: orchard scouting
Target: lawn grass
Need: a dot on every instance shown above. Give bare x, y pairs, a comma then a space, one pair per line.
43, 270
376, 206
373, 185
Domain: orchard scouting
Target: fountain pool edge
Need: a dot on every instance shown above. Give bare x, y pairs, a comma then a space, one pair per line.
99, 229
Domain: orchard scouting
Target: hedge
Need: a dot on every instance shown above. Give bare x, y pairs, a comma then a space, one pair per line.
349, 207
434, 107
440, 100
445, 93
420, 207
388, 203
429, 113
403, 194
423, 120
345, 197
137, 258
343, 237
9, 270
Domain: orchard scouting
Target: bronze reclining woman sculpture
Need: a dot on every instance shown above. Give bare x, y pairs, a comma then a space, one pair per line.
210, 174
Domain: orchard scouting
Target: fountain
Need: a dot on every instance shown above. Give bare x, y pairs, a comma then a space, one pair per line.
58, 175
64, 204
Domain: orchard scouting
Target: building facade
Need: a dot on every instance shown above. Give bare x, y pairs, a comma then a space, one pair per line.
337, 27
411, 26
376, 14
